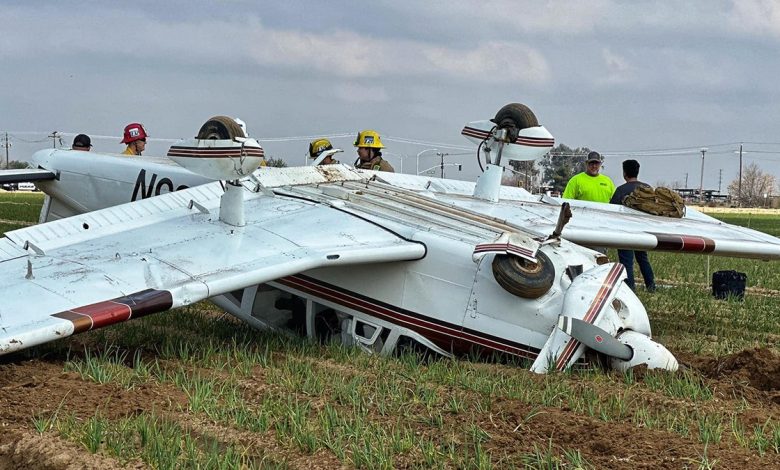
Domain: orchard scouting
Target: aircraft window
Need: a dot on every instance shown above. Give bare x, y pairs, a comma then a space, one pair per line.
364, 330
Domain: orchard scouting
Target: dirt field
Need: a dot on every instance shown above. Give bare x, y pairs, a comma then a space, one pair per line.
195, 389
744, 385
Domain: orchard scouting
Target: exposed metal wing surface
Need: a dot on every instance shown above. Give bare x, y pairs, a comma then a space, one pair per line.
107, 266
446, 186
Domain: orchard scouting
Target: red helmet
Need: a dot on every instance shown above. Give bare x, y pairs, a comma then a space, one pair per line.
134, 131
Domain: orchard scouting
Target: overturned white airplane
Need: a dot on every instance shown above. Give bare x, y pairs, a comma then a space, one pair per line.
382, 261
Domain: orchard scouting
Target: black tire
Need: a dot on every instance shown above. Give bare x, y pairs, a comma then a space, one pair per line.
523, 278
220, 128
515, 115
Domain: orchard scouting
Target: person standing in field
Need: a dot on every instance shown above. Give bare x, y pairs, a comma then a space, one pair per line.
590, 185
626, 257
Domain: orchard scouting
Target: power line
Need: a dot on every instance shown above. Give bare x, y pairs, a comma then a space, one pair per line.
306, 137
763, 151
27, 141
695, 149
659, 152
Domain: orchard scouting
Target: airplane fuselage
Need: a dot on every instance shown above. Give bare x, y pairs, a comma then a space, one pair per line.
88, 181
448, 301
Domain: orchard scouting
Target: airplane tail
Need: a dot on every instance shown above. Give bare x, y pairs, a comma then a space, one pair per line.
220, 151
513, 134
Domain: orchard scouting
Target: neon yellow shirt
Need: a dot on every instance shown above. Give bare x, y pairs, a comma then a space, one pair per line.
584, 187
128, 151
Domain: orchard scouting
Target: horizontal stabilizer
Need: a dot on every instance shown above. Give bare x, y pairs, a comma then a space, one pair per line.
25, 175
531, 143
219, 159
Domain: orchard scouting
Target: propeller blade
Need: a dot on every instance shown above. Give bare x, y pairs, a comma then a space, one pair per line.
594, 337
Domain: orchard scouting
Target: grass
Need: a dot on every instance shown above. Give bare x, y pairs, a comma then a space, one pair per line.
766, 223
285, 396
19, 209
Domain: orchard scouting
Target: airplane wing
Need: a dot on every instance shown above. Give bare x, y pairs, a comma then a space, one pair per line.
25, 175
111, 265
599, 225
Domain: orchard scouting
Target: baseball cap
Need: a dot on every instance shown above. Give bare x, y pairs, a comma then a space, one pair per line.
82, 141
594, 157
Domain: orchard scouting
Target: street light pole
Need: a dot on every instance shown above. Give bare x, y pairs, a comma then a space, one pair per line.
701, 177
417, 169
400, 160
434, 167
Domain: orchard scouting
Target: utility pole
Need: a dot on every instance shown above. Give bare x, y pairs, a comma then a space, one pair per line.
686, 180
701, 177
739, 191
720, 178
525, 167
7, 144
442, 155
55, 136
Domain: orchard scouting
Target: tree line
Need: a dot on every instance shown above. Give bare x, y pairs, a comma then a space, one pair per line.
563, 162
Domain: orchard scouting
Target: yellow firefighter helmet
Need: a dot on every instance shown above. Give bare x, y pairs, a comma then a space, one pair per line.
369, 138
318, 146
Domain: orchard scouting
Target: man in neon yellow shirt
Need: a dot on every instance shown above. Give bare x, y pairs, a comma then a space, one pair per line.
590, 185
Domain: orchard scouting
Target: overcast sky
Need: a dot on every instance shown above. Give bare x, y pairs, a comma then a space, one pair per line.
615, 76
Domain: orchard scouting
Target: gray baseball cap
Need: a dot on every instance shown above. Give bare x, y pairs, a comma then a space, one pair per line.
595, 157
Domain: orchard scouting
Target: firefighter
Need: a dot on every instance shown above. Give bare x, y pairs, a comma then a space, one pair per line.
317, 148
369, 150
135, 138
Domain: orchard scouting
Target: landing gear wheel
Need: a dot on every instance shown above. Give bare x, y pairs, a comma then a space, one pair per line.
515, 115
522, 278
220, 128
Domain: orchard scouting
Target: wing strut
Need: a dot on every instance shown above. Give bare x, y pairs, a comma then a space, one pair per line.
563, 218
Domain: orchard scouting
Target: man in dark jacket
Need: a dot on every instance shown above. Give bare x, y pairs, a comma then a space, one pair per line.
626, 257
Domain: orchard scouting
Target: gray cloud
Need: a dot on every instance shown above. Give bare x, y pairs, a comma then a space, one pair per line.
599, 73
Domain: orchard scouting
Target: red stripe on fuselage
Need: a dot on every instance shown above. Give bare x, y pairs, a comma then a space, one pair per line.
446, 337
490, 247
598, 303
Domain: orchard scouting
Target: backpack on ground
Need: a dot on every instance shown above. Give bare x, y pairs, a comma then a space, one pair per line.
658, 201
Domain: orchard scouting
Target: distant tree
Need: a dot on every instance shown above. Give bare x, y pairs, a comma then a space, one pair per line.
676, 184
276, 162
563, 163
17, 165
755, 183
524, 175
